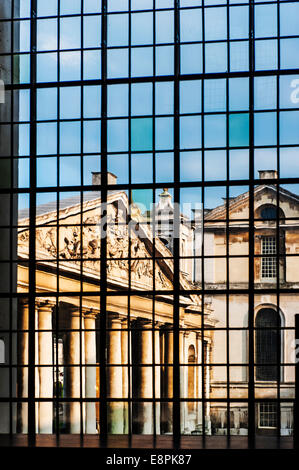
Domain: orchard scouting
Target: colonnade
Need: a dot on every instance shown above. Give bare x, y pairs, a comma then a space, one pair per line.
150, 375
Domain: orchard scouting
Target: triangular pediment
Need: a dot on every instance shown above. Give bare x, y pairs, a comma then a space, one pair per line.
79, 249
263, 194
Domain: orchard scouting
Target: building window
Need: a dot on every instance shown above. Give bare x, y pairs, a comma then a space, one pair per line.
269, 268
269, 213
267, 339
267, 415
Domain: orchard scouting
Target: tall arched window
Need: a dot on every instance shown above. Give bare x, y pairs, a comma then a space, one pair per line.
267, 344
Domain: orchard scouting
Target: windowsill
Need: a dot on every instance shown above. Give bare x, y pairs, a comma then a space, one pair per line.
147, 442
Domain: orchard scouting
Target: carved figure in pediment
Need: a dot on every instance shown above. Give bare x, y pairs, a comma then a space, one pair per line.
47, 240
71, 246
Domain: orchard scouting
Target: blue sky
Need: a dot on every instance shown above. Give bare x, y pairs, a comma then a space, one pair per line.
142, 124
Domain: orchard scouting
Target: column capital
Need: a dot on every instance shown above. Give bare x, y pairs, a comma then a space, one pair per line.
114, 319
89, 312
143, 323
45, 304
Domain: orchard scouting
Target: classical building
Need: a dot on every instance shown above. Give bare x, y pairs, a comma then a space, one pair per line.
221, 234
139, 329
274, 245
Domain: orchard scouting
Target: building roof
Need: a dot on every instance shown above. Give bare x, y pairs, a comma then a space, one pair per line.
63, 203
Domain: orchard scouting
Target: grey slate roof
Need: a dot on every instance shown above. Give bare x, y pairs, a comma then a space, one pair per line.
63, 203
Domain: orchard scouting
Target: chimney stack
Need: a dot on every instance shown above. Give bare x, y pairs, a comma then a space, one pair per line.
268, 174
97, 178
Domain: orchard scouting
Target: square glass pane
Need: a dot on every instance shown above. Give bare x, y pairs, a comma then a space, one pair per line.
164, 167
265, 21
164, 27
44, 8
215, 130
46, 135
191, 58
216, 57
141, 134
190, 132
266, 54
141, 28
46, 171
70, 66
70, 137
191, 166
70, 173
289, 19
70, 33
142, 99
238, 164
46, 107
91, 101
164, 133
238, 94
92, 136
215, 165
142, 168
215, 95
118, 100
46, 35
70, 102
239, 130
117, 63
239, 56
118, 30
190, 96
238, 22
142, 61
164, 98
265, 92
289, 122
289, 53
289, 91
265, 129
191, 25
92, 31
215, 24
164, 60
118, 135
91, 65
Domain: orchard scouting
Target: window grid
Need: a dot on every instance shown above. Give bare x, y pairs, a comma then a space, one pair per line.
269, 269
267, 415
205, 149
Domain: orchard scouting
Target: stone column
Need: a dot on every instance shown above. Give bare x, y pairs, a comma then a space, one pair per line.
168, 380
114, 377
23, 370
36, 372
199, 381
125, 383
90, 372
73, 372
45, 354
157, 377
207, 388
143, 380
183, 379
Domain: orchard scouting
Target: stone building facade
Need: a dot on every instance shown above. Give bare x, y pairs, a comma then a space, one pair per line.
139, 329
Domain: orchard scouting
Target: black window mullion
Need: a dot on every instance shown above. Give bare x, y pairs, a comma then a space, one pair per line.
103, 269
176, 239
251, 368
32, 234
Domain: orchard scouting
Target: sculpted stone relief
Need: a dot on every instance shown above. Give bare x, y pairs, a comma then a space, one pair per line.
70, 241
